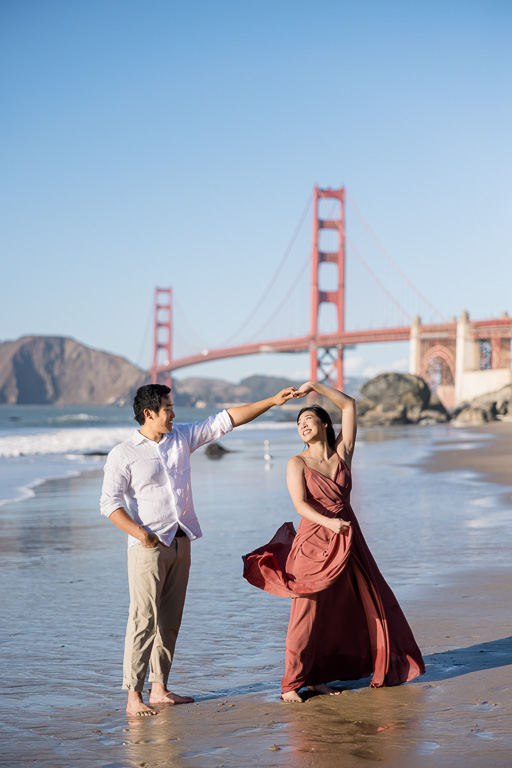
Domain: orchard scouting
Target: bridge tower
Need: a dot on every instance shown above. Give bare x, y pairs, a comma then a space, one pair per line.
162, 333
327, 362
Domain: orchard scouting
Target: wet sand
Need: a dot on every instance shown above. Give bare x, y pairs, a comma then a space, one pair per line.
489, 459
64, 608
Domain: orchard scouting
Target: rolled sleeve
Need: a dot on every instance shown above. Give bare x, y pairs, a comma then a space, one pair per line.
115, 484
201, 432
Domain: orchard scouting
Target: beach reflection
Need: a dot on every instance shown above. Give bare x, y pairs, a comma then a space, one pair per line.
151, 742
366, 724
374, 725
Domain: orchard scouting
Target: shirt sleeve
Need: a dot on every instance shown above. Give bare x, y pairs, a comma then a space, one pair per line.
115, 483
201, 432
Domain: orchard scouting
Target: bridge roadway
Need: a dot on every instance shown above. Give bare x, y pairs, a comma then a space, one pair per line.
299, 344
480, 329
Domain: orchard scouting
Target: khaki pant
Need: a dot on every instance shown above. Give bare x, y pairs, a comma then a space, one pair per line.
157, 579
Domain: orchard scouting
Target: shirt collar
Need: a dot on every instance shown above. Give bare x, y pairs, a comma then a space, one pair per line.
137, 438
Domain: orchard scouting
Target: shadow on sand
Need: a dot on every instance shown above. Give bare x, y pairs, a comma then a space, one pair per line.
439, 666
462, 661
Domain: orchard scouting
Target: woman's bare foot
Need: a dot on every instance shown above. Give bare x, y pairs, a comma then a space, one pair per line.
135, 705
293, 697
323, 688
160, 695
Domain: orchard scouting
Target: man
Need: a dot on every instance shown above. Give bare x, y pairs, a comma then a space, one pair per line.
147, 494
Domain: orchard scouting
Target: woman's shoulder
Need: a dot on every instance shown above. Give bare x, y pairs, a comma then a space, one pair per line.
296, 461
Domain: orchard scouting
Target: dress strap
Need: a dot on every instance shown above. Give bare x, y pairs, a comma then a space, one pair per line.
300, 457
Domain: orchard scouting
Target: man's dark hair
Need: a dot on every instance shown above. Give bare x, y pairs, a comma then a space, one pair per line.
325, 418
149, 396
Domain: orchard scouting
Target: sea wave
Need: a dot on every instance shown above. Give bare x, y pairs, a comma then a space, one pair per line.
271, 425
63, 441
73, 418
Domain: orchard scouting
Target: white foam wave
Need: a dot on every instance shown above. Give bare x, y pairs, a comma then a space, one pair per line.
63, 441
73, 418
270, 425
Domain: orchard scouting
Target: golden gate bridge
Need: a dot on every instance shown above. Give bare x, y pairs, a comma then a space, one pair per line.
445, 353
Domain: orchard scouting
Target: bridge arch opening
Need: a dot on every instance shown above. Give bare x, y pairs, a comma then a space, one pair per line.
438, 370
438, 373
485, 355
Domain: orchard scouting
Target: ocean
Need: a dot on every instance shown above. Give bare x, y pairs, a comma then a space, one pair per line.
64, 596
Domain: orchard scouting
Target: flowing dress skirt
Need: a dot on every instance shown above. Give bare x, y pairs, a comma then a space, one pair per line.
345, 622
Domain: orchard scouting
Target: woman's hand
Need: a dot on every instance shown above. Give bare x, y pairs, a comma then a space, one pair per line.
305, 389
336, 525
284, 395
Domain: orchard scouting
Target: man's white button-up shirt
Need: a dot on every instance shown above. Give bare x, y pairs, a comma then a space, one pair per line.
152, 480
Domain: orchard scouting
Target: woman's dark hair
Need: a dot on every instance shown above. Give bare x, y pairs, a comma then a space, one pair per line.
149, 396
325, 418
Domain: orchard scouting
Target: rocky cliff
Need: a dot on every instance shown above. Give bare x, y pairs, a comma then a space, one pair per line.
46, 370
54, 369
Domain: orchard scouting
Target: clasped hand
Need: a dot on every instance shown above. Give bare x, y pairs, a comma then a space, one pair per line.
304, 390
339, 526
292, 392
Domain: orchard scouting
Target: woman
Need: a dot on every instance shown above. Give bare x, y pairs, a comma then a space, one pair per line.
345, 622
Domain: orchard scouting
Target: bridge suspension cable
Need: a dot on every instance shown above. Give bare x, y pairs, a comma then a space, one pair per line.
272, 280
379, 283
269, 320
189, 328
145, 342
392, 261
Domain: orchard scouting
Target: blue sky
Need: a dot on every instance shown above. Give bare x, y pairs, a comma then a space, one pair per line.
177, 144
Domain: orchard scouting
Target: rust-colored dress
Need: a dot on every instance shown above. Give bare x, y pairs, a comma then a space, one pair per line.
345, 622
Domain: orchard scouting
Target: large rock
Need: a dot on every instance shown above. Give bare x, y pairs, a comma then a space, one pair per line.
392, 392
216, 450
363, 405
378, 417
494, 403
470, 416
434, 413
432, 416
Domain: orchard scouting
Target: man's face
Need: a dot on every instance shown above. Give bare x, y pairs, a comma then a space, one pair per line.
162, 421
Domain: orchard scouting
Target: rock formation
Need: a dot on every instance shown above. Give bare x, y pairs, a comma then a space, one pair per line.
394, 398
485, 408
53, 369
470, 416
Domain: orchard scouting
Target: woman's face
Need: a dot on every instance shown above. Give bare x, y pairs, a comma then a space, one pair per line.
310, 426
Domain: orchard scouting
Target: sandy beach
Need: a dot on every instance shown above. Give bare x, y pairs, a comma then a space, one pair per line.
62, 705
491, 459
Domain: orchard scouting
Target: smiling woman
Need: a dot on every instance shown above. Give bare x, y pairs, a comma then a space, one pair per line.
345, 622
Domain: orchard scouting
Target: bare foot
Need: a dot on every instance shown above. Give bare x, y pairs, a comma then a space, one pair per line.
293, 697
322, 688
135, 705
160, 695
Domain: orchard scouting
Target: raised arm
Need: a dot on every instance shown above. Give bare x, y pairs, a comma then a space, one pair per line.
245, 413
297, 489
346, 440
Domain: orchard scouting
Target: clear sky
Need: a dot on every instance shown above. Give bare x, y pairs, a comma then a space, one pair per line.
177, 144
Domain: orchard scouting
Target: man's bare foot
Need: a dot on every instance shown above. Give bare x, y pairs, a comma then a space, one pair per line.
135, 705
322, 688
160, 695
293, 697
